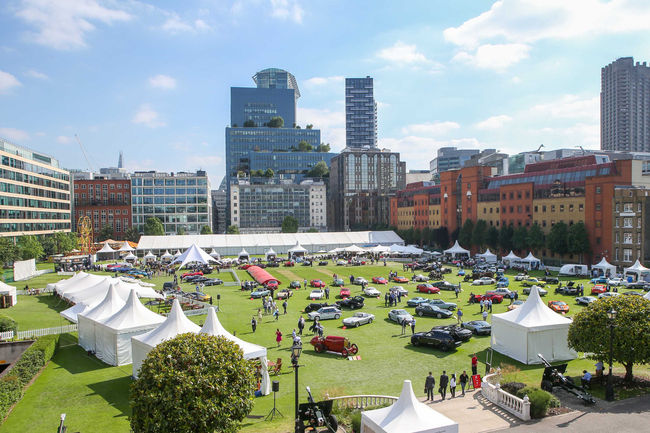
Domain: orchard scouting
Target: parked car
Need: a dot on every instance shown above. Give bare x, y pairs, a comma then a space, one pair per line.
414, 302
529, 282
608, 295
521, 277
371, 291
427, 309
421, 278
359, 281
615, 282
353, 303
338, 282
199, 296
379, 280
599, 280
295, 284
402, 291
495, 298
272, 285
568, 290
483, 281
503, 282
427, 288
541, 291
399, 316
559, 306
334, 344
314, 306
358, 319
457, 332
325, 313
633, 293
317, 294
316, 283
399, 279
637, 285
341, 263
598, 289
442, 304
444, 285
478, 327
516, 304
502, 291
289, 264
259, 293
322, 263
436, 338
551, 280
344, 292
213, 282
283, 294
585, 300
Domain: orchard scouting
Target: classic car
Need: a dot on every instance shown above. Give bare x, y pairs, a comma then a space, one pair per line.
338, 282
559, 306
585, 300
598, 289
637, 285
427, 288
341, 263
457, 332
420, 278
324, 313
317, 294
615, 281
371, 291
213, 282
442, 304
399, 316
516, 304
259, 293
272, 284
633, 293
322, 263
432, 311
483, 281
437, 338
353, 303
359, 281
478, 327
444, 285
399, 279
316, 283
501, 291
495, 298
289, 264
295, 284
521, 277
399, 289
599, 280
315, 306
608, 295
334, 344
283, 294
190, 274
528, 282
414, 302
541, 291
568, 290
344, 292
551, 280
379, 280
358, 319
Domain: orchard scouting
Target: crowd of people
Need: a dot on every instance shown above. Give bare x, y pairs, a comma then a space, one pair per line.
450, 382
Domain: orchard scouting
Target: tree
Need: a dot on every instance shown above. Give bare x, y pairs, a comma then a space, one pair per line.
289, 224
465, 235
309, 126
319, 170
455, 234
276, 122
556, 240
589, 331
479, 234
193, 383
249, 124
578, 240
535, 238
58, 243
153, 227
30, 247
232, 230
324, 147
442, 237
312, 230
425, 235
505, 237
132, 234
180, 231
106, 233
8, 252
269, 172
519, 236
303, 146
417, 235
492, 238
206, 230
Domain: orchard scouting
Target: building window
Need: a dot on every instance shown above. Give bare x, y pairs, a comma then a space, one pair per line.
597, 190
638, 223
544, 208
616, 254
627, 238
552, 208
561, 208
627, 207
627, 255
543, 223
581, 207
616, 223
638, 207
627, 222
535, 209
617, 207
597, 223
597, 240
597, 206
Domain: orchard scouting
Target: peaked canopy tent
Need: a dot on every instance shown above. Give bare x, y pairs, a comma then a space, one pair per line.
638, 272
412, 249
64, 282
7, 290
354, 249
531, 329
175, 324
457, 251
605, 268
212, 326
379, 249
261, 275
511, 259
193, 254
150, 256
130, 257
407, 415
214, 254
166, 257
531, 262
106, 251
488, 256
243, 255
88, 280
270, 254
297, 250
177, 253
111, 304
113, 334
126, 247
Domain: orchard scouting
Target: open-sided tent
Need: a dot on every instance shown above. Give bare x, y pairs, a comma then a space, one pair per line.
457, 251
177, 254
111, 304
297, 250
511, 259
214, 254
605, 268
379, 249
212, 326
106, 251
270, 254
150, 257
531, 329
638, 271
531, 262
488, 256
354, 249
395, 248
130, 257
65, 282
7, 290
406, 415
243, 255
194, 254
126, 247
175, 324
166, 257
412, 249
113, 334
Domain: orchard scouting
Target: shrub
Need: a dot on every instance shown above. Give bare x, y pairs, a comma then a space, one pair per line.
355, 418
11, 390
512, 387
28, 365
46, 344
540, 400
8, 324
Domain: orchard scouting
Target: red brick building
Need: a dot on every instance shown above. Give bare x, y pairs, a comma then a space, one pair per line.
107, 202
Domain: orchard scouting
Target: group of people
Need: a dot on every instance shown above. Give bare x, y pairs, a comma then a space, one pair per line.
393, 297
446, 381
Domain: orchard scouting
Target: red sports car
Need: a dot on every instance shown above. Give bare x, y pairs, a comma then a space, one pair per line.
245, 266
289, 263
271, 285
379, 280
559, 306
317, 283
598, 289
494, 297
191, 274
427, 288
345, 292
400, 279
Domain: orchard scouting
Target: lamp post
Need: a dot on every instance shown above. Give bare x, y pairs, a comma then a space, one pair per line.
609, 390
296, 349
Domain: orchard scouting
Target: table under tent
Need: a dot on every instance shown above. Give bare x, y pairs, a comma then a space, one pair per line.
511, 259
488, 256
605, 268
297, 251
637, 272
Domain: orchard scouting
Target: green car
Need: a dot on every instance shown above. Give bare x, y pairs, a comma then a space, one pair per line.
338, 283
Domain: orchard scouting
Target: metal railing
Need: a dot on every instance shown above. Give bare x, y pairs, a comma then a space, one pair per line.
362, 401
490, 388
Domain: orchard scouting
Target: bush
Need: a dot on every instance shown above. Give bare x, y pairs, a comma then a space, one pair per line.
355, 418
8, 324
28, 365
540, 400
512, 387
46, 344
11, 391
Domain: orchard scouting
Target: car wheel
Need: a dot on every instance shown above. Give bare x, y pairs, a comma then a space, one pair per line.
439, 316
356, 324
344, 352
420, 313
369, 320
336, 316
319, 348
354, 349
415, 342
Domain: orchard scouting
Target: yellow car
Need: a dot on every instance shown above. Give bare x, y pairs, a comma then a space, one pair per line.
529, 282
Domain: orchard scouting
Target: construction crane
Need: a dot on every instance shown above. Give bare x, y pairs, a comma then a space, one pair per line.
539, 148
84, 152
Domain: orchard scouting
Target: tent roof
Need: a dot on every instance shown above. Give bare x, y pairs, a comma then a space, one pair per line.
297, 249
456, 249
106, 249
512, 256
73, 312
7, 288
379, 249
603, 264
243, 253
126, 247
194, 254
214, 253
354, 249
111, 304
412, 249
94, 293
530, 258
487, 253
130, 256
132, 315
271, 252
260, 275
408, 414
166, 255
175, 324
178, 253
212, 326
533, 313
637, 267
150, 255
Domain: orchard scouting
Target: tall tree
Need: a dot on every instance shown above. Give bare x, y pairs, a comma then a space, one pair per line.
425, 235
304, 146
479, 234
206, 230
269, 172
493, 238
289, 224
153, 227
8, 252
132, 234
232, 230
30, 247
465, 235
106, 233
324, 147
442, 237
319, 170
556, 240
505, 237
519, 236
578, 240
455, 234
276, 122
417, 235
535, 239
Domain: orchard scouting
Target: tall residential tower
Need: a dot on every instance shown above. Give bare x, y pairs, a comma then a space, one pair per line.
360, 113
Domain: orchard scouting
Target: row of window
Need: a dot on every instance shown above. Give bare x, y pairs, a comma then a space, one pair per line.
169, 209
140, 219
33, 215
628, 238
138, 181
33, 180
26, 202
33, 227
33, 192
22, 165
169, 200
169, 191
103, 186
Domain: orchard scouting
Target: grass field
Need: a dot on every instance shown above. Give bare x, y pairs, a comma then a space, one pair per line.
95, 396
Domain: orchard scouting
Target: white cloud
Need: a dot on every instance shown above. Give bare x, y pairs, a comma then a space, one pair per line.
7, 82
13, 134
287, 10
323, 81
147, 116
570, 107
494, 122
63, 24
330, 123
418, 151
175, 24
162, 82
63, 139
583, 134
497, 57
430, 128
36, 74
402, 53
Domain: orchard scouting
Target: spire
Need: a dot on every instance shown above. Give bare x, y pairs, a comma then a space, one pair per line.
120, 161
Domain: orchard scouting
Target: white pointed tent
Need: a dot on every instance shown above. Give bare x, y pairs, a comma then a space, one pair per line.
605, 267
65, 282
212, 326
379, 249
113, 334
177, 254
488, 256
243, 255
407, 415
214, 254
6, 289
78, 281
511, 259
531, 329
175, 324
354, 249
457, 250
111, 304
150, 256
647, 296
639, 271
531, 262
412, 249
297, 250
126, 247
131, 257
193, 254
107, 250
166, 256
270, 254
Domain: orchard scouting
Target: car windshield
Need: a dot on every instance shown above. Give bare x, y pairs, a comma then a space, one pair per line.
481, 323
359, 314
401, 312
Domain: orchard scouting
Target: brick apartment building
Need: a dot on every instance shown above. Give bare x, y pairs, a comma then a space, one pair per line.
106, 200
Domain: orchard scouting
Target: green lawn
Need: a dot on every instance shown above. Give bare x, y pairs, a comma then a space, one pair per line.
387, 357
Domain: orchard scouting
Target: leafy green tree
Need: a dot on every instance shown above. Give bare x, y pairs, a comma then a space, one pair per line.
417, 236
535, 238
324, 147
106, 233
479, 234
58, 243
465, 235
578, 240
249, 124
556, 240
309, 126
589, 331
303, 146
132, 234
425, 236
519, 236
206, 230
232, 230
289, 224
493, 238
153, 227
269, 172
276, 122
312, 230
319, 170
180, 231
9, 252
30, 247
193, 383
442, 237
455, 234
505, 237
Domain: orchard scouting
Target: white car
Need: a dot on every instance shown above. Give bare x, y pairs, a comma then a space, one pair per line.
317, 294
325, 313
521, 277
540, 290
358, 319
400, 316
502, 291
483, 281
400, 289
421, 278
615, 282
341, 263
608, 295
360, 281
371, 291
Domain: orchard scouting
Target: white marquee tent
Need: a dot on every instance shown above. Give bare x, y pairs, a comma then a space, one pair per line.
406, 415
297, 250
63, 285
379, 249
131, 257
150, 256
395, 248
194, 254
177, 253
531, 329
166, 256
107, 250
488, 256
531, 262
243, 255
214, 254
126, 247
354, 249
270, 254
639, 271
457, 250
412, 249
511, 259
113, 334
111, 304
212, 326
175, 324
6, 289
605, 267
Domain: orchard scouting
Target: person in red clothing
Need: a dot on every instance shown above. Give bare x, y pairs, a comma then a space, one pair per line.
278, 336
474, 364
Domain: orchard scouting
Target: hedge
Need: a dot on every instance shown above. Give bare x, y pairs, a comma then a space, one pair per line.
29, 364
8, 324
540, 400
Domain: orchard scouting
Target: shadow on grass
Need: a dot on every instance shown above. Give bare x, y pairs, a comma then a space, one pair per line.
54, 302
115, 392
76, 360
430, 351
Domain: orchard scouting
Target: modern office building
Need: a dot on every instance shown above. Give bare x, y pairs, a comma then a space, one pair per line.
451, 158
181, 201
625, 106
219, 208
292, 166
262, 207
362, 181
34, 193
360, 113
418, 176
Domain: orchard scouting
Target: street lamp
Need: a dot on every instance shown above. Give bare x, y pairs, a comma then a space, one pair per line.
609, 390
296, 350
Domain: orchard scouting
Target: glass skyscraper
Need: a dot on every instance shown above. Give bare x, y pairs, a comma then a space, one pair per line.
360, 113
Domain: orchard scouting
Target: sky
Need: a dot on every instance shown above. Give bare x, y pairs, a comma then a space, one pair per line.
152, 79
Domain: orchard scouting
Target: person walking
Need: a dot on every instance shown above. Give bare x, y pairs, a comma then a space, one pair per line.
399, 296
403, 326
327, 292
259, 315
459, 315
463, 381
474, 364
452, 385
485, 314
429, 384
490, 304
253, 324
278, 336
444, 381
413, 326
276, 314
284, 306
301, 325
481, 303
386, 297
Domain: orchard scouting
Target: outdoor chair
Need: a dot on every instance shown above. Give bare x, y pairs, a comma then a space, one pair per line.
275, 367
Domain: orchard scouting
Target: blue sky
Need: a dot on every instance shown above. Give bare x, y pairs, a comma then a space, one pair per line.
153, 79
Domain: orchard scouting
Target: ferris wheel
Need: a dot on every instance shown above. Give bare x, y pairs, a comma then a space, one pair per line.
85, 230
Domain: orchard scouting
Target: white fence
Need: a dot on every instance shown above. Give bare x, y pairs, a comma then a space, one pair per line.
362, 401
34, 333
237, 282
519, 407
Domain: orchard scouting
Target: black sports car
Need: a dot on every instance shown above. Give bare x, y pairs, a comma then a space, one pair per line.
433, 311
352, 303
568, 290
212, 282
435, 338
323, 263
315, 306
458, 333
444, 285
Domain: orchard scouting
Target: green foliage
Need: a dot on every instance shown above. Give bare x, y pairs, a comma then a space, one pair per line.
324, 147
276, 122
309, 126
312, 230
519, 236
249, 124
28, 365
269, 172
153, 227
492, 238
232, 230
58, 243
465, 234
132, 234
11, 391
47, 345
540, 400
206, 230
455, 234
505, 237
8, 252
105, 233
30, 247
556, 240
535, 238
180, 231
479, 234
425, 236
578, 239
192, 383
289, 224
8, 324
319, 170
441, 235
590, 333
303, 146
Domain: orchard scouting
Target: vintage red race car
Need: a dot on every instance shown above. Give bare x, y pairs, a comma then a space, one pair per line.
427, 288
191, 274
494, 297
334, 344
316, 283
379, 280
245, 266
400, 279
598, 289
271, 285
345, 292
289, 263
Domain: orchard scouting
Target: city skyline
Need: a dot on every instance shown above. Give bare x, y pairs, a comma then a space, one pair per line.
150, 79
